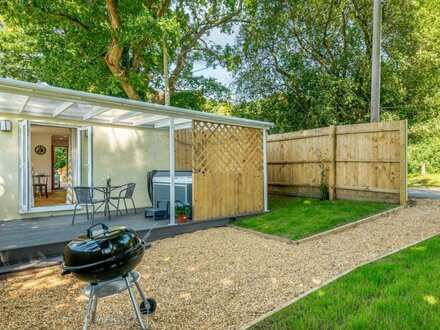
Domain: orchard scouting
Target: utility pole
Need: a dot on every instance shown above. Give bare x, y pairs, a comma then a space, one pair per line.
171, 132
375, 61
165, 72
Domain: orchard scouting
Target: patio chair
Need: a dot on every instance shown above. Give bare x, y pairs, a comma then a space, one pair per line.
124, 194
40, 185
84, 196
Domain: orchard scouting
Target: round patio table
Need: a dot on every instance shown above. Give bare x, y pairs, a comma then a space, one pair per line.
107, 190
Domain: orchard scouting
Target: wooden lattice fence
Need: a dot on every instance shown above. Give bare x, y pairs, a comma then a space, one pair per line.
227, 170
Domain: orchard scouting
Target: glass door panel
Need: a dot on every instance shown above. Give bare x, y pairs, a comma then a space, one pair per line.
85, 161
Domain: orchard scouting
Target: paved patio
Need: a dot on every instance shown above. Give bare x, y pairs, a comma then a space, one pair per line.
31, 232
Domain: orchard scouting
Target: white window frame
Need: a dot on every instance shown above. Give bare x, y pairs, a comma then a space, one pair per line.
25, 168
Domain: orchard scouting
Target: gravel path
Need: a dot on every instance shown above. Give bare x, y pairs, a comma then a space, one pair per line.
214, 279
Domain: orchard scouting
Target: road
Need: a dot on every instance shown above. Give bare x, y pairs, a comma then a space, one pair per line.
423, 193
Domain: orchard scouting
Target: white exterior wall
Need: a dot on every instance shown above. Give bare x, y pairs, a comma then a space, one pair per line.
127, 153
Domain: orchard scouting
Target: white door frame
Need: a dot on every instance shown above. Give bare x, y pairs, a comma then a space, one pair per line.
89, 134
25, 166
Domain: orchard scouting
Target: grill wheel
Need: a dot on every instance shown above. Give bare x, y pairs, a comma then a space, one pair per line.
145, 310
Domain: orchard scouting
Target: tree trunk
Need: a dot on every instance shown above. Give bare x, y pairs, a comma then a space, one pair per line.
114, 54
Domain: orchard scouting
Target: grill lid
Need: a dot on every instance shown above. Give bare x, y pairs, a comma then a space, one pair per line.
100, 244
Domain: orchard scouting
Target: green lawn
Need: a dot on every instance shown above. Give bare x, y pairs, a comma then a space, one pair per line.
296, 218
401, 291
427, 181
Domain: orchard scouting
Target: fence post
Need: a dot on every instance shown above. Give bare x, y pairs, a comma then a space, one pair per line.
403, 162
332, 167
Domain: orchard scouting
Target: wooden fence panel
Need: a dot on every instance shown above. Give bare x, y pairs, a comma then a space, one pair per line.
365, 161
183, 149
227, 170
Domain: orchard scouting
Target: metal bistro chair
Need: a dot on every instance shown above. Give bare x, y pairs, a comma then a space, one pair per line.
124, 194
84, 196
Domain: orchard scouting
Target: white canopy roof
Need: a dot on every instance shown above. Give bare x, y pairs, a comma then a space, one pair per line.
18, 97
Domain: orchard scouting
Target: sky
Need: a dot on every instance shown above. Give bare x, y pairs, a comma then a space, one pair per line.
220, 72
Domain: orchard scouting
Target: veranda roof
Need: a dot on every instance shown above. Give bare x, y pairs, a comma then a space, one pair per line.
39, 100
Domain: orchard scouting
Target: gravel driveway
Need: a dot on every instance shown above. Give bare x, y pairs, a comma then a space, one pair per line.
214, 279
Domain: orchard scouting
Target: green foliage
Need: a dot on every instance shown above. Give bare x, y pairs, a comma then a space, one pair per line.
72, 44
306, 64
424, 181
323, 179
425, 146
323, 186
296, 218
60, 154
299, 64
401, 291
182, 208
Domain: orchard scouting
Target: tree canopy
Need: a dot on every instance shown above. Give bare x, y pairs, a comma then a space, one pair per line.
312, 60
114, 47
300, 64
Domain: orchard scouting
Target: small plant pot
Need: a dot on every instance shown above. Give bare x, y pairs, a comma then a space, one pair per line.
182, 218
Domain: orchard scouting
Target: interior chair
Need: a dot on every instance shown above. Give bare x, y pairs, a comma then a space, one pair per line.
84, 196
40, 185
124, 194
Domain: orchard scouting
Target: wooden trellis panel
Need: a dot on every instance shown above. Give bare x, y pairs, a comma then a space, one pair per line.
227, 170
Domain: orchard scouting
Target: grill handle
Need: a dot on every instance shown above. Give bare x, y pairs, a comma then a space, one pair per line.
95, 232
144, 239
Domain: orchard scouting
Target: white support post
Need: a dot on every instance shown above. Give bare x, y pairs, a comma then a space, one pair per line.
172, 175
265, 204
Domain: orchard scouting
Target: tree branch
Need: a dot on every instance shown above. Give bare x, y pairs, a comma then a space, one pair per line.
73, 20
163, 8
188, 47
66, 17
188, 42
207, 50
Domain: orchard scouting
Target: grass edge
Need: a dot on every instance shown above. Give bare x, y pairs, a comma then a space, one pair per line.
334, 230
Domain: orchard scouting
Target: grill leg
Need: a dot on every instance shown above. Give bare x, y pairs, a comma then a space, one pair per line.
89, 307
136, 308
95, 306
144, 299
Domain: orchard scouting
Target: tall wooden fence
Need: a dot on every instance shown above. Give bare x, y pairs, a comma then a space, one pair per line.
361, 162
183, 149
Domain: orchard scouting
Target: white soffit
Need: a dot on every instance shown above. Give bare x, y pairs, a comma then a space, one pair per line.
18, 97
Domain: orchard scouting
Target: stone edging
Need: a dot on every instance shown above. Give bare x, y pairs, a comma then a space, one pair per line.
266, 315
325, 233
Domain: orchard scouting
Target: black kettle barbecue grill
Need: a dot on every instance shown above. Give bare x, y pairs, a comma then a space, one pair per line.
106, 257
